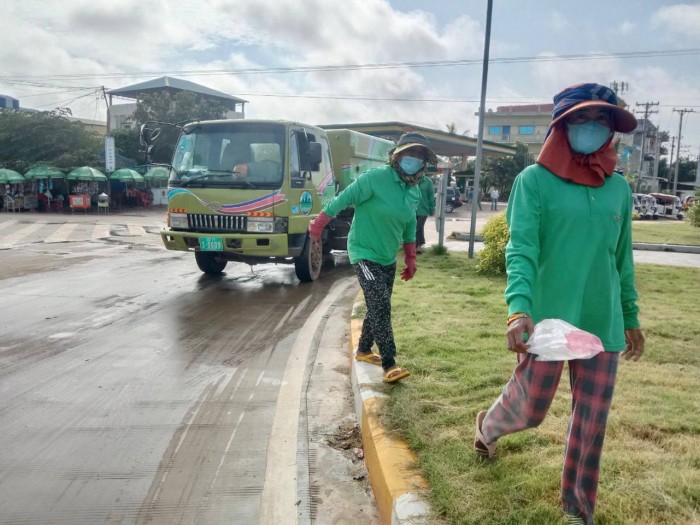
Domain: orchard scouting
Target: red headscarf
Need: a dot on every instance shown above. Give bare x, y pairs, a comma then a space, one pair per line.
588, 170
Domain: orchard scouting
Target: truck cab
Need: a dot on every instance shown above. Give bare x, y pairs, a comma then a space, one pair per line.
246, 190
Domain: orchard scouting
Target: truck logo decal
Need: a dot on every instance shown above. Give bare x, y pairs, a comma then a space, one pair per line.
306, 203
327, 179
259, 203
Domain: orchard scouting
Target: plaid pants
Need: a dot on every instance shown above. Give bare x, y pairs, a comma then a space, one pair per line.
524, 403
377, 284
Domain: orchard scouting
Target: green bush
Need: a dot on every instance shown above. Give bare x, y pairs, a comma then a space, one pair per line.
492, 259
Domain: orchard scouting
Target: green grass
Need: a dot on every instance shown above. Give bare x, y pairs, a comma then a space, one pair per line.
449, 324
665, 231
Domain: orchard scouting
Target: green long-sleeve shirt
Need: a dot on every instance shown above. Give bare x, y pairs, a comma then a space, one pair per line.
570, 254
426, 204
385, 215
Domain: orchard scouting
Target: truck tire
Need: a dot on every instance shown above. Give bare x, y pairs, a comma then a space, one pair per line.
308, 264
209, 263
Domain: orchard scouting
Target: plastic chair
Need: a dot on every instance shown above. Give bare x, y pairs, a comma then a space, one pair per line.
103, 205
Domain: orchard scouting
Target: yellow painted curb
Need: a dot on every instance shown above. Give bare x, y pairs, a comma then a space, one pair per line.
396, 485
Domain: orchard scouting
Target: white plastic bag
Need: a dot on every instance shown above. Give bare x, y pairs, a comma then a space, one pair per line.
557, 340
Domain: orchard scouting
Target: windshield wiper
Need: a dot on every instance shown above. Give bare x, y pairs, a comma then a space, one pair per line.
193, 179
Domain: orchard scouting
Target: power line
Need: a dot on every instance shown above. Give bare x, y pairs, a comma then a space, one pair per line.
386, 65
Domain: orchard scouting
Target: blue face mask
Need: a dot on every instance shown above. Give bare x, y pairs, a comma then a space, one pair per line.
410, 165
587, 138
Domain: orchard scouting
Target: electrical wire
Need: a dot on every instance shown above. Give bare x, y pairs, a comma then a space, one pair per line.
369, 66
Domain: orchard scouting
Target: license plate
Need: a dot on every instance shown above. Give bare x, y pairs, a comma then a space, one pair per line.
211, 244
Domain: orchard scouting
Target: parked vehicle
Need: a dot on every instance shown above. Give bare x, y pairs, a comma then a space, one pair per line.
645, 206
688, 201
246, 190
453, 199
669, 205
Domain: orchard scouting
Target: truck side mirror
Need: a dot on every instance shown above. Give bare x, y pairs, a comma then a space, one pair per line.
315, 155
148, 135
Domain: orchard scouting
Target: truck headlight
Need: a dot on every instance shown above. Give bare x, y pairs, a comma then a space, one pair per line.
178, 221
260, 225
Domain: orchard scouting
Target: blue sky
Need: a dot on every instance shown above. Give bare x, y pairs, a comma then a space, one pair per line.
56, 51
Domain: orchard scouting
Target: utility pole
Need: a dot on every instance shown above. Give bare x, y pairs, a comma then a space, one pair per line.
480, 135
655, 173
670, 162
647, 112
104, 94
678, 153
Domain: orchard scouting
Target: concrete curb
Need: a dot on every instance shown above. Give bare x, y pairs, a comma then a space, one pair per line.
677, 248
396, 485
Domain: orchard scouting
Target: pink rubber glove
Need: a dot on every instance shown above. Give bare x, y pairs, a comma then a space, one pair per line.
409, 250
316, 226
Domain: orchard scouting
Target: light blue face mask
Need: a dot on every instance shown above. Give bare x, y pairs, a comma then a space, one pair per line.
587, 138
410, 165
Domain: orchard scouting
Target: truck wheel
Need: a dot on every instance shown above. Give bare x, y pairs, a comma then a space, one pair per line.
209, 263
308, 264
449, 208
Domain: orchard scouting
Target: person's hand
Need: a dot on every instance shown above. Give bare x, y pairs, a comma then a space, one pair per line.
316, 226
515, 331
409, 250
635, 344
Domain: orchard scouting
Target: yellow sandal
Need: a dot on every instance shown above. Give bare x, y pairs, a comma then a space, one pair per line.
371, 358
395, 373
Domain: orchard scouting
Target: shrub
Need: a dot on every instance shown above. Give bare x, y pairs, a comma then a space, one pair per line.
492, 259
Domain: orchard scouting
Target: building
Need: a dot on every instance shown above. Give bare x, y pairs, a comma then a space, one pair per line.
524, 123
8, 102
119, 114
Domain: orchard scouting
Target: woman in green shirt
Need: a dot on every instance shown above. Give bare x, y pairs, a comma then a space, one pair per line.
385, 200
570, 257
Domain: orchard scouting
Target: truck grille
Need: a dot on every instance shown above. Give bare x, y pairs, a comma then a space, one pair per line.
203, 222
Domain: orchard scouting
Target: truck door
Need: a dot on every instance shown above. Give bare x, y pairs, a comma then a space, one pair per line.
306, 180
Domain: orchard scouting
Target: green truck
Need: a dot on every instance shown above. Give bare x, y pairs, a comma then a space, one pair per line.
246, 190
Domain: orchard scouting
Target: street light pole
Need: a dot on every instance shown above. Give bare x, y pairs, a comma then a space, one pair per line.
480, 136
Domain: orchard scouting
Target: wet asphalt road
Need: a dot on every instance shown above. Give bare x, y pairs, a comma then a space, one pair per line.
134, 389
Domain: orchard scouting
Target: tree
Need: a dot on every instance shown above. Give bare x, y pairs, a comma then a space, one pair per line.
180, 107
27, 138
500, 171
126, 142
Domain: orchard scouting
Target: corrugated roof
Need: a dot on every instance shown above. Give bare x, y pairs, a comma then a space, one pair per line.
442, 142
170, 83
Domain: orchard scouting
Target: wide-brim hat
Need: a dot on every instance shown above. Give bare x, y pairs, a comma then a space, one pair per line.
415, 140
583, 96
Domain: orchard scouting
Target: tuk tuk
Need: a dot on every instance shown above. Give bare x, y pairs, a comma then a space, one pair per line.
669, 205
645, 206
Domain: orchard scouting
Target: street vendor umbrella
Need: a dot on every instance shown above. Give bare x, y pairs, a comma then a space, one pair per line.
86, 173
157, 173
126, 175
10, 177
44, 172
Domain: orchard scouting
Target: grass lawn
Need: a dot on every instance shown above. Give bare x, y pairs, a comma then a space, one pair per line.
449, 324
665, 231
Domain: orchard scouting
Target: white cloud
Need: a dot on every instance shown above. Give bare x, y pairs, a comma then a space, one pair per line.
679, 19
557, 21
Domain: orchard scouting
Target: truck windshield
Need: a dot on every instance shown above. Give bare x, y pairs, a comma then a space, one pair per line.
245, 154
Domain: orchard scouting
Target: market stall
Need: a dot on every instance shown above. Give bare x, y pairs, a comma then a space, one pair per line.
49, 186
157, 182
12, 191
124, 190
84, 183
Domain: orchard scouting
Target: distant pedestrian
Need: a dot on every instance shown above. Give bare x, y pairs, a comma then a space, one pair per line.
385, 201
570, 257
494, 199
426, 206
